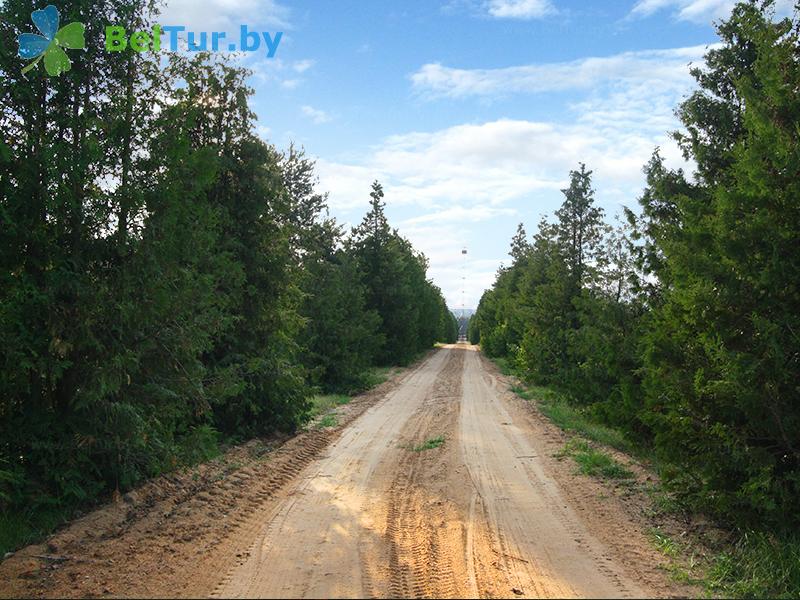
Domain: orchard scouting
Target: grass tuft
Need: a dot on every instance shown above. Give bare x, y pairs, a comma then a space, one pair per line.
430, 444
662, 502
327, 421
326, 403
574, 419
594, 462
663, 543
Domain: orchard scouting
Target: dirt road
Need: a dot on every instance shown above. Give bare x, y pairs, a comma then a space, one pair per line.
478, 516
370, 510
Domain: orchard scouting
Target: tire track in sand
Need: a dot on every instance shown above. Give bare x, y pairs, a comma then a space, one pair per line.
310, 546
529, 542
424, 527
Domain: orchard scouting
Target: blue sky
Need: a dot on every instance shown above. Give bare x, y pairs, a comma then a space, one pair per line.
470, 112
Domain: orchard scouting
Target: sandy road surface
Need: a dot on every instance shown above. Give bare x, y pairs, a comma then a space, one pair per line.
478, 516
359, 511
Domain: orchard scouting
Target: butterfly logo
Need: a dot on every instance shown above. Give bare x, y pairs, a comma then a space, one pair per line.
49, 46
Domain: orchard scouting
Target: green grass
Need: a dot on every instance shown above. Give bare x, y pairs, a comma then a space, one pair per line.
567, 416
523, 392
20, 528
374, 377
573, 418
504, 365
430, 444
594, 462
323, 404
759, 565
663, 543
682, 566
329, 420
662, 502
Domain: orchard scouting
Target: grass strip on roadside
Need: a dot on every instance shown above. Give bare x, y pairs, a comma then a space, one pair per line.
594, 461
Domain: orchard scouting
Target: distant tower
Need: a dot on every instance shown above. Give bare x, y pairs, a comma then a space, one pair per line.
462, 321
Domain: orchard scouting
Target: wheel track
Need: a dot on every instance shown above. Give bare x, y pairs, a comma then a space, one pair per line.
342, 478
271, 486
295, 460
532, 532
421, 563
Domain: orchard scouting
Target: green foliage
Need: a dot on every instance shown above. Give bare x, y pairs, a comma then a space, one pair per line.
342, 336
759, 565
413, 314
679, 327
594, 462
167, 279
662, 502
449, 325
720, 354
199, 445
108, 296
372, 377
430, 444
664, 544
327, 421
505, 367
580, 420
323, 404
22, 526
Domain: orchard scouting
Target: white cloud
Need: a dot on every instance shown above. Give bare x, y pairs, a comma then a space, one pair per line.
301, 66
453, 184
472, 172
520, 9
456, 184
276, 70
264, 132
698, 11
461, 214
350, 183
316, 115
662, 68
225, 15
463, 181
